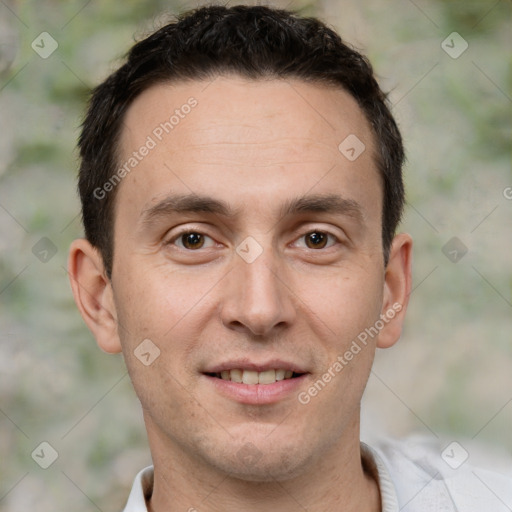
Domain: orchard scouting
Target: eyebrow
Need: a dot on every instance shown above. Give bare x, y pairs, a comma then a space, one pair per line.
193, 203
185, 203
320, 203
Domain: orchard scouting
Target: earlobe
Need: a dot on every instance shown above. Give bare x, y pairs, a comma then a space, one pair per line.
397, 289
92, 292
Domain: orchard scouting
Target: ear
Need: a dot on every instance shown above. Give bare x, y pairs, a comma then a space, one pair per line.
397, 289
93, 294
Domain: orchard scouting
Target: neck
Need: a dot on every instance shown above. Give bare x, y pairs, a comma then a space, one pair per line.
335, 480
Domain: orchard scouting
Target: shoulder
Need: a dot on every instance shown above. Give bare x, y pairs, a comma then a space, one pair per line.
432, 475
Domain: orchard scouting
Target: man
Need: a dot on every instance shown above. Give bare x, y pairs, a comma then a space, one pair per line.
241, 187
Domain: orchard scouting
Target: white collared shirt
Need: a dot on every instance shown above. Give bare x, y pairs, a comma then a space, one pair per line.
413, 476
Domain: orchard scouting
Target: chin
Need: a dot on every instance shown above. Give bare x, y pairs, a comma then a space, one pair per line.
264, 464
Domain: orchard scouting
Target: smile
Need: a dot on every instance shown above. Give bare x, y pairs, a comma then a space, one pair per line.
254, 377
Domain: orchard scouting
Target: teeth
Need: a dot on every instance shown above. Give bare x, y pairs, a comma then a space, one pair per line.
280, 374
236, 375
252, 377
267, 377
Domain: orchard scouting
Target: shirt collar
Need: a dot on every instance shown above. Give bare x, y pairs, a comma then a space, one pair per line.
372, 462
141, 491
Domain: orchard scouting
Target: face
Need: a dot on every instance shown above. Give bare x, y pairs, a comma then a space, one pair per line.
248, 248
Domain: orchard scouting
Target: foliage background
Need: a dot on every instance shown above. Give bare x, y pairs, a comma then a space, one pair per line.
450, 376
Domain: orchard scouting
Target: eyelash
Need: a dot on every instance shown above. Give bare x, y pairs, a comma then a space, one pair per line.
179, 235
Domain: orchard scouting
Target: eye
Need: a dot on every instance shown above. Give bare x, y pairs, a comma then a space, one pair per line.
318, 240
192, 240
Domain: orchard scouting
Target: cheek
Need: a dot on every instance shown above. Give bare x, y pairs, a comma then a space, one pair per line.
171, 310
341, 311
154, 303
345, 303
162, 308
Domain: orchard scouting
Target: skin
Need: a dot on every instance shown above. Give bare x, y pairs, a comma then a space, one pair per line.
254, 145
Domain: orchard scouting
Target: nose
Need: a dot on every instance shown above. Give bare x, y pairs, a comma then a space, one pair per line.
257, 299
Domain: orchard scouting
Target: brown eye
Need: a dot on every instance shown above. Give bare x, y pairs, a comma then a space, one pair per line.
316, 240
192, 240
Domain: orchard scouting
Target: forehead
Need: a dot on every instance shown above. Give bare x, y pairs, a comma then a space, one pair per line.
233, 135
254, 107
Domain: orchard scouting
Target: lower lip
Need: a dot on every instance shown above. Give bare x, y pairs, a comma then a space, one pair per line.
257, 394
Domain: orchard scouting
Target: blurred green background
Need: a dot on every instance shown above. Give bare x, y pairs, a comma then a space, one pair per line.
450, 377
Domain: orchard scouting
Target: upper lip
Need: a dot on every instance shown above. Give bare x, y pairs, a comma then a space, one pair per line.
246, 364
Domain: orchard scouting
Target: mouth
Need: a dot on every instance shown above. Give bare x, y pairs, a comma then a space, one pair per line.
248, 382
251, 377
